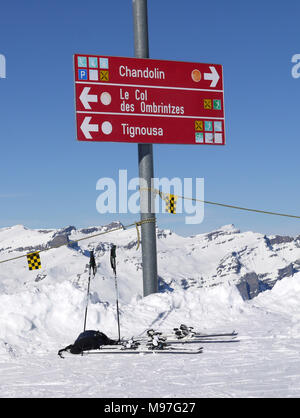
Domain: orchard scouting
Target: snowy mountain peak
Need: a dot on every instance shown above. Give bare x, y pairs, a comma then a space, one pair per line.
230, 228
14, 228
224, 230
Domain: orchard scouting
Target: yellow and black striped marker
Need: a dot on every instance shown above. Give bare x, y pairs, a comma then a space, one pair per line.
34, 261
171, 201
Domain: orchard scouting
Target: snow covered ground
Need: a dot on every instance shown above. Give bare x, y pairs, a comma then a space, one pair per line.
42, 311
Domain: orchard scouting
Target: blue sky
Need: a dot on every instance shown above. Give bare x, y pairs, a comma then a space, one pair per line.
48, 179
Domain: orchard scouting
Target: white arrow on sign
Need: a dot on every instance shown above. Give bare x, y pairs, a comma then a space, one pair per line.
86, 127
87, 98
213, 76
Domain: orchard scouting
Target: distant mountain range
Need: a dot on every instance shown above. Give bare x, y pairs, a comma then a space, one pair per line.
251, 261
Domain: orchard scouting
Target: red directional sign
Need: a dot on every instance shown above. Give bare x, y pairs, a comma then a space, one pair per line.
148, 101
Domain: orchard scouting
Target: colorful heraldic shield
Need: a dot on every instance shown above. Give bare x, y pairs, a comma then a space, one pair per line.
171, 201
34, 261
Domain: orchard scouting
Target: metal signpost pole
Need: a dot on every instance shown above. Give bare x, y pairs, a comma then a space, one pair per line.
148, 101
146, 172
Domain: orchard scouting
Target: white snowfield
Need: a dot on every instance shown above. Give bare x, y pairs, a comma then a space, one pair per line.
42, 311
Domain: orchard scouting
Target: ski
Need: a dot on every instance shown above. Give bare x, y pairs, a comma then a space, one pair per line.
195, 340
184, 331
212, 341
184, 341
225, 334
189, 338
144, 351
198, 337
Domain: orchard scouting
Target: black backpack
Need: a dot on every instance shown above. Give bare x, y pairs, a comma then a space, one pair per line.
88, 340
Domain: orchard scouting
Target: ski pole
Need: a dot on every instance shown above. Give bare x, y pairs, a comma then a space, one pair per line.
113, 266
92, 268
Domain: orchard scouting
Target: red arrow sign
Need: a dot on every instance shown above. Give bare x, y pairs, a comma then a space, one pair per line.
142, 100
129, 128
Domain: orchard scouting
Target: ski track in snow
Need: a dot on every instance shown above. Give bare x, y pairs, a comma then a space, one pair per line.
40, 316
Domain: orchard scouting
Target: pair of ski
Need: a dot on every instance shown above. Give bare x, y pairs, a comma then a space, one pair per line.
185, 335
157, 343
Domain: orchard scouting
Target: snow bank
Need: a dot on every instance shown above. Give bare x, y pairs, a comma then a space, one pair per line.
283, 300
201, 307
46, 319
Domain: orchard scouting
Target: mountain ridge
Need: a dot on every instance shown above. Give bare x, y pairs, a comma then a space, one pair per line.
252, 261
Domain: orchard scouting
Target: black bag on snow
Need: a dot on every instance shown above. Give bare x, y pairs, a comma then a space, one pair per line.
88, 340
